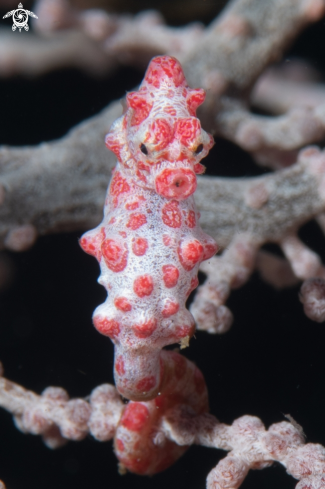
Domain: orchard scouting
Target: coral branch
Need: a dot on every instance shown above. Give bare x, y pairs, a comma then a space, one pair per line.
275, 270
287, 86
304, 262
92, 40
296, 128
251, 446
247, 37
34, 56
231, 270
312, 295
57, 418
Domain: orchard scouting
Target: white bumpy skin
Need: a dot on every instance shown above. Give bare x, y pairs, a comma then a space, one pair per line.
150, 244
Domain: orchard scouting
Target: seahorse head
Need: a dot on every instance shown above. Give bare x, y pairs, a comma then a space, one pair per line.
159, 139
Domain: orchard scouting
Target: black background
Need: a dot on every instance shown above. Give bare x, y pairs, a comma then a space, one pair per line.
270, 363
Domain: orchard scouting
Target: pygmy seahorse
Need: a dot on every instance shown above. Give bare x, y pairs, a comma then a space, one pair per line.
150, 244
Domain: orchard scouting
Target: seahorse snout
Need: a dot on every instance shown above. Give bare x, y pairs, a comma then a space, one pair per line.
177, 183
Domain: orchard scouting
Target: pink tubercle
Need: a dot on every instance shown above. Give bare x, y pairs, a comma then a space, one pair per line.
140, 246
136, 221
190, 253
160, 133
171, 214
146, 384
187, 130
170, 275
119, 185
145, 328
195, 98
210, 249
119, 365
115, 254
106, 326
91, 243
135, 416
176, 184
123, 304
170, 308
140, 105
164, 69
143, 285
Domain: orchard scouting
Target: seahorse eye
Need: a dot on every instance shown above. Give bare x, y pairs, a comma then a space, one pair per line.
143, 148
199, 149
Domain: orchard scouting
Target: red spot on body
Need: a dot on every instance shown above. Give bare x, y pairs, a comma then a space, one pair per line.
170, 275
143, 166
182, 156
153, 77
118, 186
146, 384
193, 285
187, 130
160, 134
112, 220
190, 253
199, 381
122, 304
170, 308
171, 214
119, 365
173, 70
112, 143
141, 176
183, 331
167, 69
195, 98
210, 249
177, 183
135, 416
191, 221
139, 246
136, 221
131, 206
120, 445
199, 169
123, 234
115, 255
91, 243
108, 327
141, 106
144, 330
143, 285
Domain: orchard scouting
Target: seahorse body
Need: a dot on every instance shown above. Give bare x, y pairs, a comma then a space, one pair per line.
150, 244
